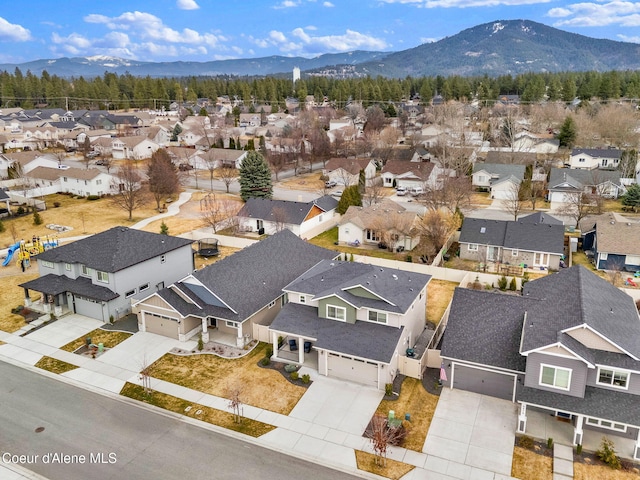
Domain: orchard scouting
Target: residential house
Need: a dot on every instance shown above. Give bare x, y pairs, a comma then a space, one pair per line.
305, 219
510, 157
132, 148
590, 158
499, 179
612, 240
217, 158
525, 242
387, 223
27, 161
543, 143
346, 171
231, 295
99, 276
566, 184
6, 200
85, 182
400, 173
356, 320
569, 347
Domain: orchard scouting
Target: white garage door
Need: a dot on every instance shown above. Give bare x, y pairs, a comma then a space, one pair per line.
352, 369
161, 325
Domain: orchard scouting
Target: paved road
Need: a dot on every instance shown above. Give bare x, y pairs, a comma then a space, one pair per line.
142, 444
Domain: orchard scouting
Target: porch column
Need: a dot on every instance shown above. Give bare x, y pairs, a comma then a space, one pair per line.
205, 330
300, 350
57, 308
522, 418
636, 450
240, 338
274, 343
27, 298
577, 430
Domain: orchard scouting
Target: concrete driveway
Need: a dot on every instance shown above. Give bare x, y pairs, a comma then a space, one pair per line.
65, 330
471, 435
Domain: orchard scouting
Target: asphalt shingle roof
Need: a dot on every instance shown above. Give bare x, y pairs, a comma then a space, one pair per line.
56, 284
361, 339
540, 217
614, 233
485, 327
578, 179
114, 249
500, 170
598, 152
284, 211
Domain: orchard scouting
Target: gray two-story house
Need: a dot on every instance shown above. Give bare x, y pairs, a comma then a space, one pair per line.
568, 346
99, 276
356, 320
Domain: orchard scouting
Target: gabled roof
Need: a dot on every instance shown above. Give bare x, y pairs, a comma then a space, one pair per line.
614, 233
375, 216
485, 327
421, 170
388, 289
56, 284
251, 278
114, 249
284, 211
510, 158
540, 217
351, 165
533, 237
575, 297
598, 152
578, 179
48, 173
500, 170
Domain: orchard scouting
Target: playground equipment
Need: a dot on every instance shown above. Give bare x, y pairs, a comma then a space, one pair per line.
208, 247
25, 250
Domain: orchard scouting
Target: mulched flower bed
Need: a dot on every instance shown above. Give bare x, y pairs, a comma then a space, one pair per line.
279, 367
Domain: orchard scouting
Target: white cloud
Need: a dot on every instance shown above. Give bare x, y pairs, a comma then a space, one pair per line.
626, 14
625, 38
286, 4
328, 4
187, 5
13, 32
428, 40
464, 3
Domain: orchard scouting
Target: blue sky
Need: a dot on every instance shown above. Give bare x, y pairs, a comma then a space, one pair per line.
203, 30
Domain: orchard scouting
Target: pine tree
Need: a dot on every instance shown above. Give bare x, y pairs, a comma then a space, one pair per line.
632, 197
350, 196
568, 132
255, 177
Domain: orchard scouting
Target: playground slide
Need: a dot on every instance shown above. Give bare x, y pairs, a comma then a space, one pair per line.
10, 251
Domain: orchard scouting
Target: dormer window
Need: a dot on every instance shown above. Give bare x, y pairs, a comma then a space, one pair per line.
555, 377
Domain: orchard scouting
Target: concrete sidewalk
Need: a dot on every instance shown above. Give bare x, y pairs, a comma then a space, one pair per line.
10, 471
325, 427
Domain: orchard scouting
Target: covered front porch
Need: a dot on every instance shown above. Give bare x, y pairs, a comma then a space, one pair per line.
586, 419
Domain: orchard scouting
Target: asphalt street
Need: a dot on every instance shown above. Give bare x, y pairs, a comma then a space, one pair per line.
67, 433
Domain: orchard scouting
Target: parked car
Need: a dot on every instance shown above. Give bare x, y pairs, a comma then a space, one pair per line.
92, 154
401, 191
330, 184
184, 167
337, 193
416, 191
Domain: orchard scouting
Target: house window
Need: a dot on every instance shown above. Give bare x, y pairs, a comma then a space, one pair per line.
272, 304
130, 293
482, 179
64, 179
103, 277
613, 378
605, 162
514, 253
86, 271
319, 218
372, 235
98, 182
163, 258
555, 377
47, 264
67, 267
336, 313
632, 260
303, 299
472, 247
379, 317
144, 287
606, 424
541, 259
581, 160
231, 324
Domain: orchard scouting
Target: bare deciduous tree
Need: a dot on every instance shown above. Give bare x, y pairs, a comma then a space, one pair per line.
126, 189
392, 224
280, 218
163, 176
451, 193
578, 206
219, 213
228, 175
435, 227
514, 202
374, 191
235, 401
383, 435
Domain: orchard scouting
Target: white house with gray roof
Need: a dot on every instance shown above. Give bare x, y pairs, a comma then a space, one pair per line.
232, 294
534, 241
355, 319
569, 346
565, 184
305, 219
99, 276
590, 158
497, 178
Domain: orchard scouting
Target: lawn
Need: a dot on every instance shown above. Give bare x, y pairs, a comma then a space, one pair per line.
12, 296
439, 294
262, 388
415, 400
580, 258
330, 237
108, 338
199, 412
84, 216
528, 465
392, 469
224, 252
601, 472
54, 365
310, 182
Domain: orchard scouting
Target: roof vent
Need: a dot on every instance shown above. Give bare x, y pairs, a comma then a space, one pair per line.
483, 230
395, 277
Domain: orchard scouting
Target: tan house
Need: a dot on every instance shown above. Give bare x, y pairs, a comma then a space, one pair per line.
346, 171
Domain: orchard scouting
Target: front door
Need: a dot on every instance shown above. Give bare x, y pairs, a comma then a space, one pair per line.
492, 254
259, 224
211, 322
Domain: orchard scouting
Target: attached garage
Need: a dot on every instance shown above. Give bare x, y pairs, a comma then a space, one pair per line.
161, 325
87, 307
352, 369
484, 382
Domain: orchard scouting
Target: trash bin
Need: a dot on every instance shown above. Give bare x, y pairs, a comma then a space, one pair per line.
88, 341
100, 347
407, 417
392, 414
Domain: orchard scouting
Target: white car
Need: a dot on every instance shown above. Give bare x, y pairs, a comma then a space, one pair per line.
337, 193
330, 184
401, 191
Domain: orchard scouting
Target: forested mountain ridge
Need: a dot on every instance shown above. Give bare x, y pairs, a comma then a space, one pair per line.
505, 47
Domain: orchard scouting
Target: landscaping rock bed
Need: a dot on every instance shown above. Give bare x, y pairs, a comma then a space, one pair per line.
219, 349
281, 367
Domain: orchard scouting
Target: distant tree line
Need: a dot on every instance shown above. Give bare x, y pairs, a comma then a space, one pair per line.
113, 91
